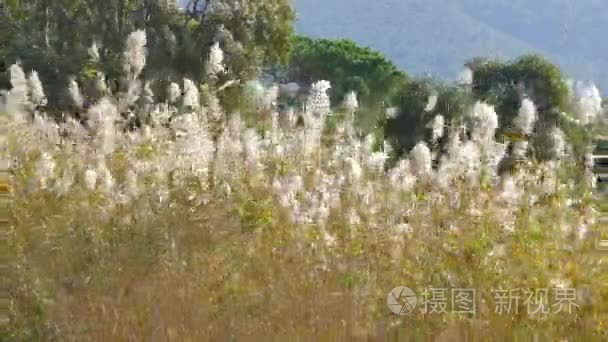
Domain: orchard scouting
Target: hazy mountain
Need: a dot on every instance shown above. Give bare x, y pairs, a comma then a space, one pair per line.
437, 36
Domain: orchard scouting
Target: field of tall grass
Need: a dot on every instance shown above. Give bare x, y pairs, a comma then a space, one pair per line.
196, 226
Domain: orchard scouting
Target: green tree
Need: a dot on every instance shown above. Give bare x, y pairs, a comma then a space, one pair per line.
348, 67
53, 37
505, 84
412, 122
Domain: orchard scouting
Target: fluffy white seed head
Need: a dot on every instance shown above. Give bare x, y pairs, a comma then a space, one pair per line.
105, 179
134, 90
526, 117
135, 54
318, 103
90, 179
431, 103
191, 95
392, 112
173, 92
17, 96
103, 111
37, 96
100, 83
131, 184
148, 97
354, 169
75, 94
271, 97
466, 76
18, 80
101, 118
557, 143
485, 122
438, 125
510, 193
45, 169
587, 103
215, 64
350, 102
254, 92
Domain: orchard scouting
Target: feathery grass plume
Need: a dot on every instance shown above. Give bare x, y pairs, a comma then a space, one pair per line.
36, 90
308, 210
75, 95
466, 77
101, 118
18, 80
318, 104
351, 103
46, 132
557, 143
135, 54
354, 170
485, 123
252, 148
16, 99
45, 169
132, 95
105, 179
173, 93
587, 103
90, 179
401, 176
420, 157
254, 92
376, 161
431, 103
392, 112
437, 126
193, 147
526, 117
148, 98
215, 64
131, 184
469, 159
65, 182
271, 98
191, 97
93, 52
100, 84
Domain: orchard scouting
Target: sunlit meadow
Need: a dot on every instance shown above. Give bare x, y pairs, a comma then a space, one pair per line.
196, 225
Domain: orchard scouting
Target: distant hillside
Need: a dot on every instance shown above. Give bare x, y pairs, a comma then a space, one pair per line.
437, 36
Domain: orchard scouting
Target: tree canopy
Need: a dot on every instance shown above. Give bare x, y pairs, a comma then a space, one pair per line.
415, 114
504, 84
348, 67
52, 37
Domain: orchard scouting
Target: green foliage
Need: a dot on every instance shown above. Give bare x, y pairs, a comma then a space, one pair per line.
348, 67
503, 84
53, 38
411, 125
